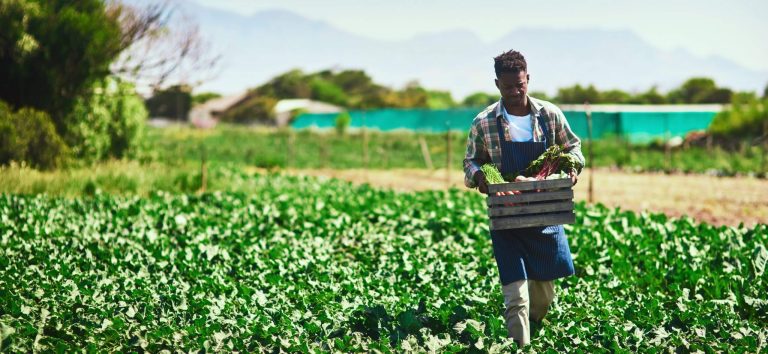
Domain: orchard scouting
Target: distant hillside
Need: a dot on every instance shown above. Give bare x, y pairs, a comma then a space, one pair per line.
258, 47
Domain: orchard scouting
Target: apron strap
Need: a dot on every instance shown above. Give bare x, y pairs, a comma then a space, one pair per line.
544, 130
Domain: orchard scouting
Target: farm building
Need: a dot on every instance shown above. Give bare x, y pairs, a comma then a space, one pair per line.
285, 110
209, 113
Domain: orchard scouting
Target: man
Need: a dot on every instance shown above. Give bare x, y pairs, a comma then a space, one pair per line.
510, 134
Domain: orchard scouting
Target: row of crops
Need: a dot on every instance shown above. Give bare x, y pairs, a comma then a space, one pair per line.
307, 265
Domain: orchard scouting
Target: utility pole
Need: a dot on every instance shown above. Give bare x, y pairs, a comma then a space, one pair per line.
365, 148
588, 110
203, 170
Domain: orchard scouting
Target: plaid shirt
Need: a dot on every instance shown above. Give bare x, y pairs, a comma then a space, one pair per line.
483, 145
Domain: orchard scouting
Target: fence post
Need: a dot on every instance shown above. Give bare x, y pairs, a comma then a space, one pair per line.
203, 170
425, 153
765, 149
365, 147
324, 152
588, 110
667, 148
291, 148
448, 154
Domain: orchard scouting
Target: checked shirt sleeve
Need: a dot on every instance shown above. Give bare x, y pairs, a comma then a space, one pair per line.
567, 138
477, 154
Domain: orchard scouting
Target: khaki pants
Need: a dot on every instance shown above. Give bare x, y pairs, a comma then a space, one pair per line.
524, 300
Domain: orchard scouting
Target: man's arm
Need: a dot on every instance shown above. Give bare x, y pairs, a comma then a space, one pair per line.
565, 137
476, 155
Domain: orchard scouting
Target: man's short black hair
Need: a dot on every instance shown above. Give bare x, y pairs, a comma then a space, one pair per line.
510, 62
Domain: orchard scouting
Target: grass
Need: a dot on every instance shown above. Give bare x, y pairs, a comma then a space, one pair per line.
170, 159
269, 148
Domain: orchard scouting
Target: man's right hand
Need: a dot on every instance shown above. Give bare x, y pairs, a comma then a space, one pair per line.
482, 183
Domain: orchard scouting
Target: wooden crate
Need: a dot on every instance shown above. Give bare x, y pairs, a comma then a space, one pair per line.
542, 203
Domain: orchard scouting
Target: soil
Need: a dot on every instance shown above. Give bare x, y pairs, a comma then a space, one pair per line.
715, 200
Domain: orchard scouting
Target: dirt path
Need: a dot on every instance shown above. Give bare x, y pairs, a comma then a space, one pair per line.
715, 200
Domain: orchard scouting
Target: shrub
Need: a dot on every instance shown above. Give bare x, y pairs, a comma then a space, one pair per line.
745, 118
108, 123
343, 121
253, 109
28, 135
173, 102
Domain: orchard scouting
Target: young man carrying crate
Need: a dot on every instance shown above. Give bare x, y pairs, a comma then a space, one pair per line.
510, 134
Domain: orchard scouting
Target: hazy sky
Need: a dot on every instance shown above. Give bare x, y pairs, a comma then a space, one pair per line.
737, 30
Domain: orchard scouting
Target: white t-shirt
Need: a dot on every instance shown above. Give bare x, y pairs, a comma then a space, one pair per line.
520, 128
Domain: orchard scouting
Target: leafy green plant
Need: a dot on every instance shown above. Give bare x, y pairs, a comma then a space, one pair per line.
554, 160
342, 122
29, 136
746, 117
492, 174
108, 123
302, 265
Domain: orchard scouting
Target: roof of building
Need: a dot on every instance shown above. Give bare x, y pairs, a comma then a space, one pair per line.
222, 103
288, 105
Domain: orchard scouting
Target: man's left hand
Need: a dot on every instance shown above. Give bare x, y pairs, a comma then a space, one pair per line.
574, 177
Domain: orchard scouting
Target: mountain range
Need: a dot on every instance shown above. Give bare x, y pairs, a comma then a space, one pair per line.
255, 48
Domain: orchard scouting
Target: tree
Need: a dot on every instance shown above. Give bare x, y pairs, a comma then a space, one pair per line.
577, 94
652, 96
352, 81
59, 57
106, 123
746, 117
440, 100
52, 51
203, 97
326, 91
160, 46
28, 135
292, 84
479, 99
173, 102
615, 96
412, 96
537, 94
254, 108
700, 90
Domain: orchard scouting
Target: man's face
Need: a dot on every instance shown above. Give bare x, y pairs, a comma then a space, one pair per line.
513, 87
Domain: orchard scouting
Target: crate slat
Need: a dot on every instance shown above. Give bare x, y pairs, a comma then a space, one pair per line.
530, 209
531, 197
517, 222
531, 185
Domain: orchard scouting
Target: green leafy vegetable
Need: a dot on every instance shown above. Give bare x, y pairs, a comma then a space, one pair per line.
554, 160
304, 265
492, 174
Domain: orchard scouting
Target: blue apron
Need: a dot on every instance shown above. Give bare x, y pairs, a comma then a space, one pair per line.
537, 253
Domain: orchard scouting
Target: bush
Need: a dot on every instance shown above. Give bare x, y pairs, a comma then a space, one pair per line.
172, 103
51, 51
745, 118
253, 109
108, 123
28, 135
342, 122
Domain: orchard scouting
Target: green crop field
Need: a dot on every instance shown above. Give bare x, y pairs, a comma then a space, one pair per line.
306, 265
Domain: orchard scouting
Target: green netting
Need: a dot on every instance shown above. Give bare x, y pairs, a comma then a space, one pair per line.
647, 126
604, 124
393, 119
635, 126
